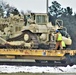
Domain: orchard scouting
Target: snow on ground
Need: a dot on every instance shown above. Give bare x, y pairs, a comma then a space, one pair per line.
36, 69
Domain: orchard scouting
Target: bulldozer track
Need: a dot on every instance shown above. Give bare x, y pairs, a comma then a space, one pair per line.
32, 36
34, 39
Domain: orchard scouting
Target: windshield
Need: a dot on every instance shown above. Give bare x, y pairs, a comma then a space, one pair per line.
41, 19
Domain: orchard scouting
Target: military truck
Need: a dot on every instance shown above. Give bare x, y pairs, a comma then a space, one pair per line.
32, 30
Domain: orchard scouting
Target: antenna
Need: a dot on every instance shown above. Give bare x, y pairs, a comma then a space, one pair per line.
46, 6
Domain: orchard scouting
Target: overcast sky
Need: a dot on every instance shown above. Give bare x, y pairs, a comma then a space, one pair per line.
39, 5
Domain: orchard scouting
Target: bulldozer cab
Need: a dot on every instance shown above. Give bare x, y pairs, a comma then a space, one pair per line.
41, 19
38, 18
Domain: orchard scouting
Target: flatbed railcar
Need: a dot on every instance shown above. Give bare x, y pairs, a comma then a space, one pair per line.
33, 40
41, 56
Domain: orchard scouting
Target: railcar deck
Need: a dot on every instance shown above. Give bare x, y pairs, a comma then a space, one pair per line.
37, 57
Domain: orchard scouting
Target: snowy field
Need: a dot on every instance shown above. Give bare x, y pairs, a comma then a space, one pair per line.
35, 69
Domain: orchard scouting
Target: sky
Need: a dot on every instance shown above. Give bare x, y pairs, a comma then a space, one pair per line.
39, 6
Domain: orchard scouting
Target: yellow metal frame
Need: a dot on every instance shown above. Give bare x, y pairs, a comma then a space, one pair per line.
36, 52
